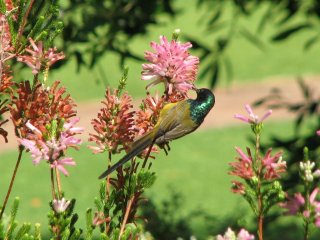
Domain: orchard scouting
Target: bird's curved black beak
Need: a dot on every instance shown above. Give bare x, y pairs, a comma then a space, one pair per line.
195, 89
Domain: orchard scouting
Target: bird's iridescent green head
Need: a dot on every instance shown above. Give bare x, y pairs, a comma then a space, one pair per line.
201, 106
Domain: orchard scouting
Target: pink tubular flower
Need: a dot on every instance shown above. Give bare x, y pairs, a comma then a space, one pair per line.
273, 165
60, 205
171, 64
52, 148
294, 204
238, 187
297, 204
243, 167
252, 119
39, 58
114, 125
59, 164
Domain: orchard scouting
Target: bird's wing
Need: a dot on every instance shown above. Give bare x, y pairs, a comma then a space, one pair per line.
175, 122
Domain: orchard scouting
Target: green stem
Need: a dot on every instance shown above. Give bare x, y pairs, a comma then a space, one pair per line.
306, 230
56, 171
258, 169
21, 148
52, 184
308, 208
108, 192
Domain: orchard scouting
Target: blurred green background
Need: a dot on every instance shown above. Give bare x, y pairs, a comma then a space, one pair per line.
197, 167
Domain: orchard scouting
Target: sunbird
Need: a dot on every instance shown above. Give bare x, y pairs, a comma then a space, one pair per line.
175, 121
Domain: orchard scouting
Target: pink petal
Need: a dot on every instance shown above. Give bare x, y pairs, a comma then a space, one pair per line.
243, 155
266, 115
313, 195
249, 109
242, 118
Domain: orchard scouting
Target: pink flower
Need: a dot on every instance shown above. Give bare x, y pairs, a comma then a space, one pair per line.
59, 164
273, 165
230, 235
238, 187
252, 119
60, 205
39, 58
114, 126
171, 64
52, 148
297, 204
242, 168
318, 132
294, 204
244, 235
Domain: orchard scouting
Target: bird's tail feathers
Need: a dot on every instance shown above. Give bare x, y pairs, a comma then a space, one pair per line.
137, 147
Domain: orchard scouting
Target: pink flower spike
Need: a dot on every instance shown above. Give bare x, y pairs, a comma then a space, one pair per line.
172, 64
38, 58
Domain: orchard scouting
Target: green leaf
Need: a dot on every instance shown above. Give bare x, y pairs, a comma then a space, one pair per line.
252, 38
215, 74
37, 231
2, 7
89, 225
146, 179
25, 228
290, 31
98, 204
102, 191
313, 40
37, 27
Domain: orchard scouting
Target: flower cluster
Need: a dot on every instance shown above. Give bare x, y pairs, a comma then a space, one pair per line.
171, 64
298, 204
44, 123
231, 235
306, 172
244, 168
51, 145
39, 106
114, 125
39, 58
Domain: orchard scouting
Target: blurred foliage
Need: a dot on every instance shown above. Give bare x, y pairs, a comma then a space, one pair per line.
289, 17
107, 26
93, 28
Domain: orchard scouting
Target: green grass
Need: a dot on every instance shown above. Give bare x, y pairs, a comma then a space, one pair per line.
249, 63
196, 168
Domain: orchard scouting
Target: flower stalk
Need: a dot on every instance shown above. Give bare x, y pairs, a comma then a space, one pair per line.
21, 149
